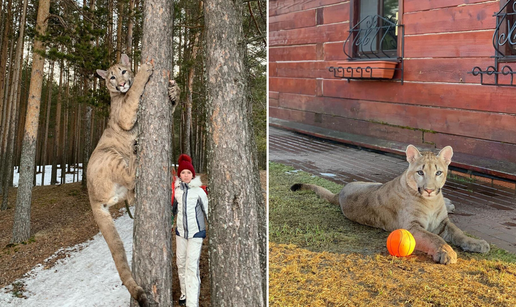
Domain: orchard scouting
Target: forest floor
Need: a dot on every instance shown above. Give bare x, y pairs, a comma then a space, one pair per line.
317, 257
61, 217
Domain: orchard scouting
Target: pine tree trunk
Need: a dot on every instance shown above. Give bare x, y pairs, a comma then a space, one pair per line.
14, 94
109, 38
13, 102
119, 30
4, 136
21, 226
64, 143
152, 254
129, 39
47, 122
3, 56
57, 130
77, 139
236, 276
20, 119
87, 142
8, 162
262, 211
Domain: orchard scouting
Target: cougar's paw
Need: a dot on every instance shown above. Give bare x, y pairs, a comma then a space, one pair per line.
445, 255
449, 206
147, 67
173, 91
476, 246
142, 298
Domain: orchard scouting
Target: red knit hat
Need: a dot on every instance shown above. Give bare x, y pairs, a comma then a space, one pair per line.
185, 162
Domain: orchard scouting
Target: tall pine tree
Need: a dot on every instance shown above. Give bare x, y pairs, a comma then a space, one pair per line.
234, 240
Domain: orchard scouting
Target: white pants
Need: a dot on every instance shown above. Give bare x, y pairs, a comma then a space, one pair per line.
188, 253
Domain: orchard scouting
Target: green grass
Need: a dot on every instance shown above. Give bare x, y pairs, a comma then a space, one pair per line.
303, 219
460, 179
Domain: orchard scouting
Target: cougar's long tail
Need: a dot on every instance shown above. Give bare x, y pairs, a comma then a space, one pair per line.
116, 246
322, 192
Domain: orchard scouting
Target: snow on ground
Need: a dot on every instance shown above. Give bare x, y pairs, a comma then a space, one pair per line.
48, 174
87, 277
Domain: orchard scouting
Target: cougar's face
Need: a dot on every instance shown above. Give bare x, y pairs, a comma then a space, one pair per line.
428, 176
119, 78
427, 172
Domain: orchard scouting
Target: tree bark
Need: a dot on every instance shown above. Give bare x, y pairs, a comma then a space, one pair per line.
129, 39
119, 30
77, 139
87, 142
13, 97
3, 54
152, 255
21, 226
236, 276
4, 138
64, 142
57, 130
109, 30
47, 122
6, 119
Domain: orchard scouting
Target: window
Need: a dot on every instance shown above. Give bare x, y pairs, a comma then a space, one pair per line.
374, 30
504, 43
375, 42
504, 39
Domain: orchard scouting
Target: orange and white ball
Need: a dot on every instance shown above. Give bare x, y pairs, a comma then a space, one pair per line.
401, 243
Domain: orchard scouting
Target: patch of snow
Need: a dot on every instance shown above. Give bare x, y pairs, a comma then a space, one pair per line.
48, 174
87, 276
328, 175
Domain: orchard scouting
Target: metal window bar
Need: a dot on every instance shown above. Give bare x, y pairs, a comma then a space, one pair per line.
369, 36
500, 39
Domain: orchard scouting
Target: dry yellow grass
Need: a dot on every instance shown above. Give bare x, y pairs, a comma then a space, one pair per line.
298, 277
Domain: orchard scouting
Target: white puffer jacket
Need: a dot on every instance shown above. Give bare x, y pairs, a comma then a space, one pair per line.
191, 207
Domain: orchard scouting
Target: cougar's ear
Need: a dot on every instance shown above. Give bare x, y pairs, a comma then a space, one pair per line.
102, 73
446, 154
124, 59
412, 153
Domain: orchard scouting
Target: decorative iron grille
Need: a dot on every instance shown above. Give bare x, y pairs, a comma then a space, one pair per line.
504, 43
372, 38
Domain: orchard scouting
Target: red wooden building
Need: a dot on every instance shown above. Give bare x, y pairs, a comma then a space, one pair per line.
450, 81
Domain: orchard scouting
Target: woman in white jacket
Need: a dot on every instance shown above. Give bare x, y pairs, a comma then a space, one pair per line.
191, 208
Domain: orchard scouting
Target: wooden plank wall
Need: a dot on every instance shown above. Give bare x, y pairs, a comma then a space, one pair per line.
438, 104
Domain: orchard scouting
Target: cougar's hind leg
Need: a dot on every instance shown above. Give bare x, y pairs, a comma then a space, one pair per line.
116, 246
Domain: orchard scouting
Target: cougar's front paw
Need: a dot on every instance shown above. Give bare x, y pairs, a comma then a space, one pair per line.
476, 246
147, 67
445, 255
449, 206
173, 91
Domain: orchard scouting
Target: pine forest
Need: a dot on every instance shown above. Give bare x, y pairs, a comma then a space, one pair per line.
78, 37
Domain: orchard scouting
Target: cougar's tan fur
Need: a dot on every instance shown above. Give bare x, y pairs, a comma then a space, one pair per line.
413, 201
112, 165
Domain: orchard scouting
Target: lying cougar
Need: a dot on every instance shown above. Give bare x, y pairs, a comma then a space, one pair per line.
112, 165
413, 201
